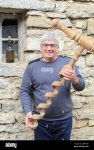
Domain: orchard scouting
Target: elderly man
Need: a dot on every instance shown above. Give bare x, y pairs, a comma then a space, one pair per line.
38, 77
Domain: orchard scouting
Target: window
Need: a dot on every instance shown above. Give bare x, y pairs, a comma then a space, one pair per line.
12, 26
9, 29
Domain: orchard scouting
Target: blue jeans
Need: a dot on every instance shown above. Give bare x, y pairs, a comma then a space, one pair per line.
53, 130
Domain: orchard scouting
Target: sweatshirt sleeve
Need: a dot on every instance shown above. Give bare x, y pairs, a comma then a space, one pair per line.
25, 91
81, 85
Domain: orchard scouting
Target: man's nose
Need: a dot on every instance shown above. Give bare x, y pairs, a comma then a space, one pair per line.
49, 46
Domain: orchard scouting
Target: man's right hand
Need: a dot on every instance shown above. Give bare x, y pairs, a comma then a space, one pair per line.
28, 120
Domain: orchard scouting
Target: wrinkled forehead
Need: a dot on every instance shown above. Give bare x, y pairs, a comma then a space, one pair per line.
49, 42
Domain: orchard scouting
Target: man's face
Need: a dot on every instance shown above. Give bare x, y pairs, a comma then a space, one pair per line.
49, 50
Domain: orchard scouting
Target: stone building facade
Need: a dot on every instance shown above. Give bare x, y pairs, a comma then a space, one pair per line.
33, 20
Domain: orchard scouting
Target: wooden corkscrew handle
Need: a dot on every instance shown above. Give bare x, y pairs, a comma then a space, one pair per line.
85, 43
82, 40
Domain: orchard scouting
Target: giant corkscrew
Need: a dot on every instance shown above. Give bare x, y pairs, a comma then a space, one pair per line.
85, 43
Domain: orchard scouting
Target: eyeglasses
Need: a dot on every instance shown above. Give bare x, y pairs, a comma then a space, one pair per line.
51, 45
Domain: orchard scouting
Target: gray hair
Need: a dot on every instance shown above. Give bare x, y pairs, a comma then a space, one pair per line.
49, 36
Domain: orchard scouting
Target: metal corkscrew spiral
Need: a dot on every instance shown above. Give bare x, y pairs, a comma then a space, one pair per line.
85, 43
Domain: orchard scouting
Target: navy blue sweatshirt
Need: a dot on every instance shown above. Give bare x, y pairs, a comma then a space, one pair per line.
38, 78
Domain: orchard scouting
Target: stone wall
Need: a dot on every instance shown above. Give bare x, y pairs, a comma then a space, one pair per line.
76, 14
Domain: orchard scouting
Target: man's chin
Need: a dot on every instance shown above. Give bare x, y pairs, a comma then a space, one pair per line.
49, 57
